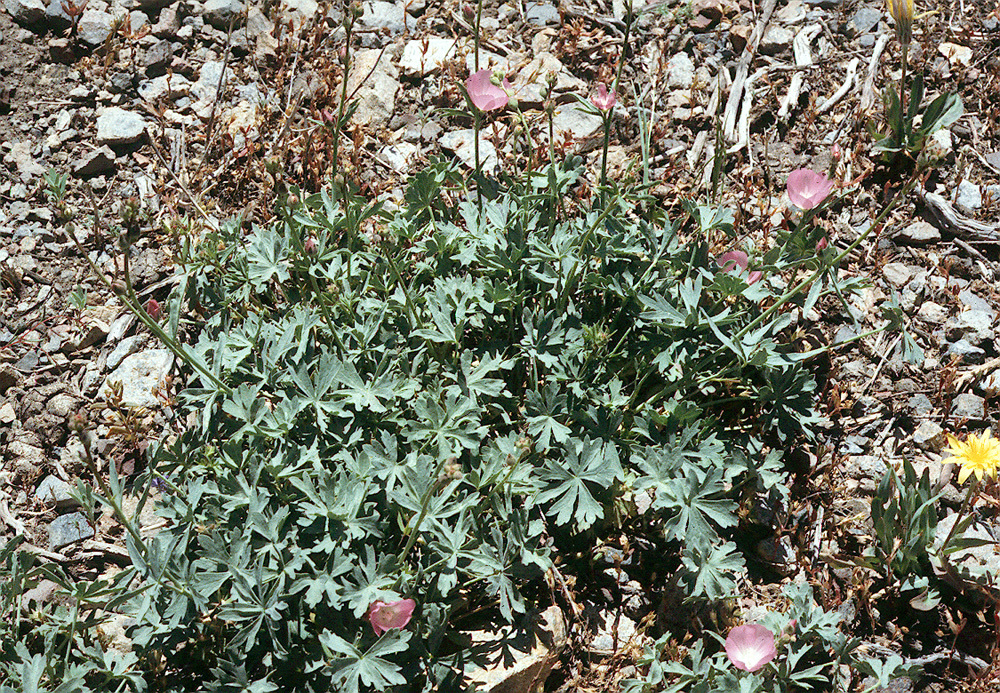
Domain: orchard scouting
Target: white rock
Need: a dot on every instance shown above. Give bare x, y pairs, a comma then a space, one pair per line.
423, 57
462, 143
896, 273
681, 71
118, 127
377, 93
139, 375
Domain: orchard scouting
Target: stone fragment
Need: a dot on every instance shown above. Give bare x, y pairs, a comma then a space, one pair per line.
380, 15
373, 81
776, 40
932, 312
681, 71
542, 14
56, 17
615, 632
54, 490
94, 27
976, 326
124, 348
423, 57
579, 124
117, 127
20, 156
9, 377
462, 143
864, 20
158, 58
527, 661
919, 233
61, 51
167, 24
38, 595
956, 54
968, 197
967, 354
705, 14
896, 273
69, 529
969, 406
139, 375
298, 11
26, 12
928, 435
224, 13
94, 163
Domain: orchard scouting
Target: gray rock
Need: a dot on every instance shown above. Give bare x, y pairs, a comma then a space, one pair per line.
94, 27
969, 406
461, 143
993, 159
124, 348
26, 12
207, 86
224, 13
9, 378
56, 17
69, 529
94, 163
864, 20
844, 333
39, 595
384, 15
868, 470
896, 273
993, 194
298, 11
542, 13
615, 633
973, 302
976, 326
139, 375
919, 233
377, 93
118, 127
928, 435
933, 313
967, 353
61, 51
968, 197
579, 124
681, 71
55, 490
919, 405
168, 23
62, 405
158, 58
527, 660
776, 39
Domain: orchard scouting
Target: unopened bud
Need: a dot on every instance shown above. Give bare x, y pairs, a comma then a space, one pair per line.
836, 152
119, 287
469, 12
154, 309
78, 422
310, 246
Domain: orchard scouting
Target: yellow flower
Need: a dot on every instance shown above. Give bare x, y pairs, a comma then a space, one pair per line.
902, 13
977, 455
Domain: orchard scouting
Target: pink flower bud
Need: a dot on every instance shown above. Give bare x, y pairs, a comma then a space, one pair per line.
154, 309
604, 100
808, 189
469, 12
386, 616
484, 94
836, 152
822, 243
310, 246
750, 647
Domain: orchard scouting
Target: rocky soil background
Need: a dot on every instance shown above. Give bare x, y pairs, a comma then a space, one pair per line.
168, 115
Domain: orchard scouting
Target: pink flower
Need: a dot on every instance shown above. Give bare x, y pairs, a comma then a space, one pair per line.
750, 647
386, 616
822, 243
604, 100
807, 189
484, 94
737, 261
310, 246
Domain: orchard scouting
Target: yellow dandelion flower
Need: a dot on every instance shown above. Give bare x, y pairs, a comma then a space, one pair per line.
979, 455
